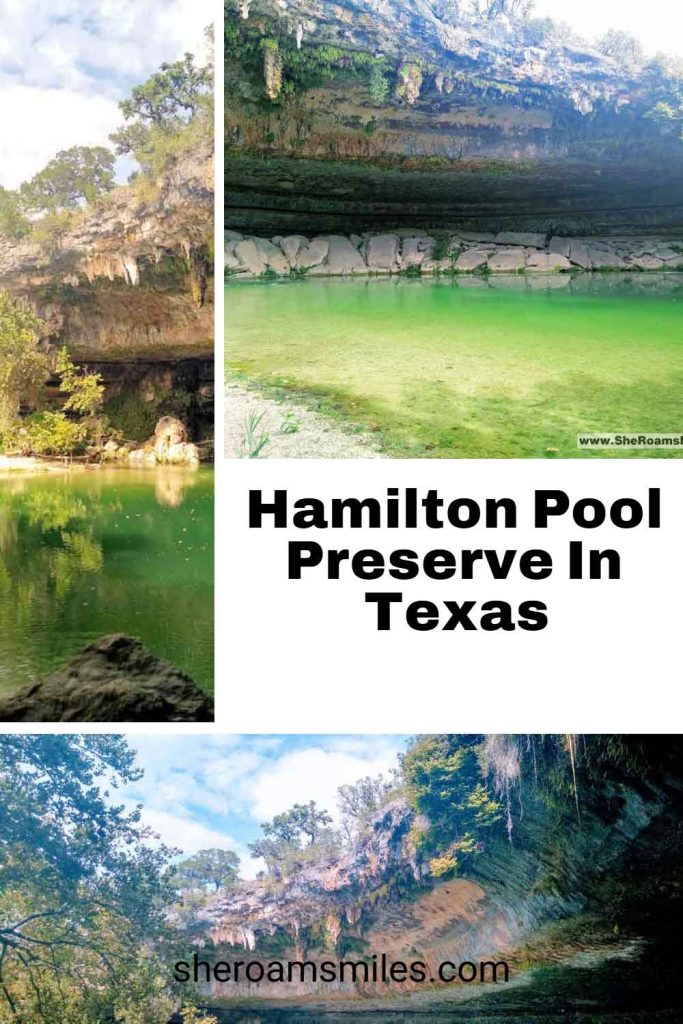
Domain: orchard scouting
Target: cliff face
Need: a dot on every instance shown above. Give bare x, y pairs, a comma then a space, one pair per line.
132, 277
380, 898
471, 125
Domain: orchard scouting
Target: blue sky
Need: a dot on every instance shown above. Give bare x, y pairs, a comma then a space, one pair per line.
203, 791
65, 64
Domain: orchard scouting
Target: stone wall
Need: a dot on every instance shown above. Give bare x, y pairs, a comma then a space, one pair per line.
465, 253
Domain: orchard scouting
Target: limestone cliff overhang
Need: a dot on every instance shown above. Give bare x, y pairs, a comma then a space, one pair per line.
110, 240
335, 886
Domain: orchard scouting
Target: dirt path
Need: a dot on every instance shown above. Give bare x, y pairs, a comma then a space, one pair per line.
286, 431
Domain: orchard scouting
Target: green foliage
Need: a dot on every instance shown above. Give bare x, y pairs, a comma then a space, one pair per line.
51, 433
49, 231
82, 894
378, 82
135, 418
446, 782
622, 47
209, 870
456, 11
299, 821
13, 223
191, 1015
441, 246
360, 801
282, 844
169, 114
491, 10
56, 433
75, 176
85, 390
172, 93
23, 368
200, 877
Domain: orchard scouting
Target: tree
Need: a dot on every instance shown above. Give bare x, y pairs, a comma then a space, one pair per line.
12, 221
272, 851
85, 390
209, 870
447, 783
282, 848
360, 801
173, 93
622, 47
378, 82
491, 10
201, 876
169, 113
23, 367
300, 820
82, 894
77, 175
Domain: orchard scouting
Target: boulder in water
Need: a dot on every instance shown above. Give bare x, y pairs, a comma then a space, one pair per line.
115, 679
169, 446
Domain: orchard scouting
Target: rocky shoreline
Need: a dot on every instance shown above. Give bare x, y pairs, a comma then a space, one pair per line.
414, 254
288, 430
114, 679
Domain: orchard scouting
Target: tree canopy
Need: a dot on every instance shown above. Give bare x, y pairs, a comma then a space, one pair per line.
23, 367
13, 223
82, 893
282, 846
74, 176
360, 801
621, 46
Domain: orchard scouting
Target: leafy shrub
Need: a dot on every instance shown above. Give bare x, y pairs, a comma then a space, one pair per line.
13, 223
51, 433
379, 83
135, 418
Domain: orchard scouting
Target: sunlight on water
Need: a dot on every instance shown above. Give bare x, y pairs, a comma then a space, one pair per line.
471, 367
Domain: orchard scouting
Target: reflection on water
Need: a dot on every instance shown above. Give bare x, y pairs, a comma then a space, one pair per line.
83, 554
590, 988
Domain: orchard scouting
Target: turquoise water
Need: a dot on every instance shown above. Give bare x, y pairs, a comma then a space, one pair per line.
105, 551
471, 367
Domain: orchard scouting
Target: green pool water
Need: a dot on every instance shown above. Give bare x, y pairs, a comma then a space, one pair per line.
88, 553
471, 367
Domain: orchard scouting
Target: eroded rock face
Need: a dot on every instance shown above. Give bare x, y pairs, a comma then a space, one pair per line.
133, 277
380, 897
115, 679
479, 127
333, 887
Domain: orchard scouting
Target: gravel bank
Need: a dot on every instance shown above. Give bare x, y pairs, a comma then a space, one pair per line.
288, 431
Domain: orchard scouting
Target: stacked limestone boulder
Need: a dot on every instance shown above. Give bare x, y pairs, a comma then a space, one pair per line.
461, 253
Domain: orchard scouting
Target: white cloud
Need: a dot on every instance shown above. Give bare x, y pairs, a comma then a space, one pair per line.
65, 65
658, 24
186, 834
197, 790
314, 774
39, 122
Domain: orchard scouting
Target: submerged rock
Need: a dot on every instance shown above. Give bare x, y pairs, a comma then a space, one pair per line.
115, 679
